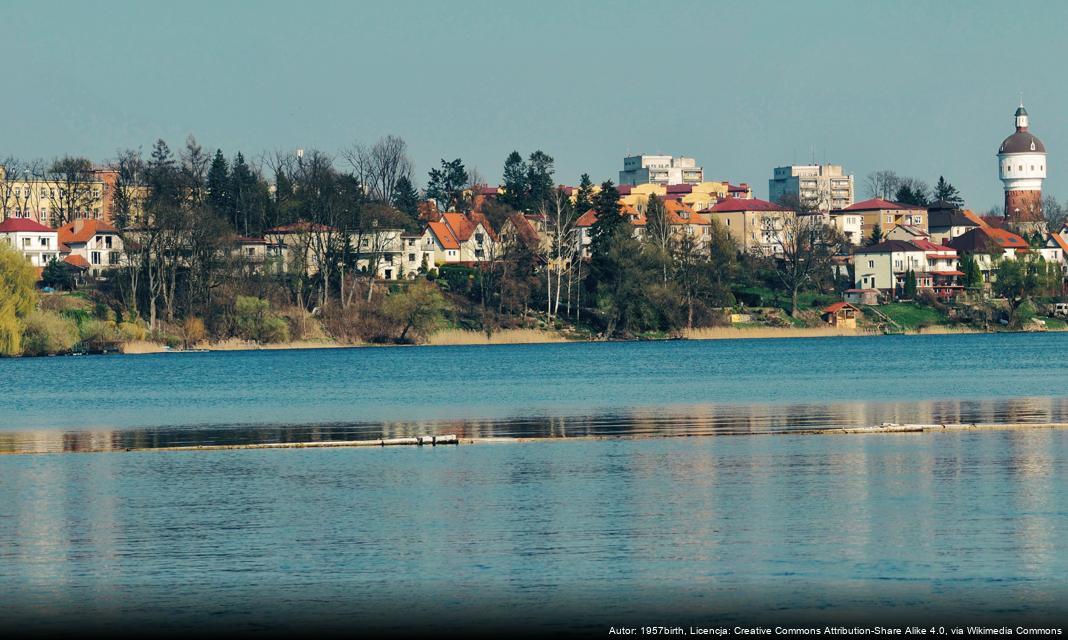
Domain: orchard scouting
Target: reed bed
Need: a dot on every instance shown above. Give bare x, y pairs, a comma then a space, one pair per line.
726, 333
505, 336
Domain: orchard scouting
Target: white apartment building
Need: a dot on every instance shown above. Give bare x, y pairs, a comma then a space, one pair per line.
826, 185
665, 170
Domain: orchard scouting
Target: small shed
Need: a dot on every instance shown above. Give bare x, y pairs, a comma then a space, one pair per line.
841, 314
862, 296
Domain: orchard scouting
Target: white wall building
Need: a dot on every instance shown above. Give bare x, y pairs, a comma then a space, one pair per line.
32, 239
826, 186
659, 169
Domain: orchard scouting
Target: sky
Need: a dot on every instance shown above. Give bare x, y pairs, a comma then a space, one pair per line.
922, 88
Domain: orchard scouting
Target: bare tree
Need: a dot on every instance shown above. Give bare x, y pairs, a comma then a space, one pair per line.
73, 190
20, 193
882, 184
806, 246
560, 250
380, 166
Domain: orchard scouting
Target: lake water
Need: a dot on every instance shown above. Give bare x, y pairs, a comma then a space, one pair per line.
546, 536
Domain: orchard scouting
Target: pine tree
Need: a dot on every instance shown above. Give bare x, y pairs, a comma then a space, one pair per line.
405, 197
539, 181
218, 185
584, 195
609, 216
973, 277
876, 235
947, 192
516, 187
910, 285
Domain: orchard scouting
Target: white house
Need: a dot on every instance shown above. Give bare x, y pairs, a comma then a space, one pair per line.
32, 239
96, 242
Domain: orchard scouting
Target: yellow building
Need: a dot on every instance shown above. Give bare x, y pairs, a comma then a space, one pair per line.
54, 199
755, 225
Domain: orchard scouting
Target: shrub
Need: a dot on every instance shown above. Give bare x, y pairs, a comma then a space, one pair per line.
253, 321
193, 330
95, 334
46, 333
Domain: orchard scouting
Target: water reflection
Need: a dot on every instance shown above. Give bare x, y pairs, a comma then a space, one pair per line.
690, 420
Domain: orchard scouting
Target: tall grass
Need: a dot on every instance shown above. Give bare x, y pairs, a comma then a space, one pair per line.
725, 333
504, 336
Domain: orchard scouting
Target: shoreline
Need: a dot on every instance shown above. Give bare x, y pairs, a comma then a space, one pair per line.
446, 440
537, 336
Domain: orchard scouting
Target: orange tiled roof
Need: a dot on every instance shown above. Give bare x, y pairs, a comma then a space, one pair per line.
76, 260
81, 231
443, 234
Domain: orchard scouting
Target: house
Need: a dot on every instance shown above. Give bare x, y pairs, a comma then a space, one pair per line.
97, 242
945, 221
885, 266
300, 245
753, 223
841, 314
38, 243
687, 223
521, 228
988, 245
849, 224
442, 244
886, 215
418, 255
474, 235
906, 232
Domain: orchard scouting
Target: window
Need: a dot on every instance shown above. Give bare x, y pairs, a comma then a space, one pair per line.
251, 251
411, 257
95, 257
44, 242
107, 241
113, 258
889, 219
871, 264
26, 242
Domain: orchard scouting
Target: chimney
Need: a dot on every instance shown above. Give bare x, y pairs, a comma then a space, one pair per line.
78, 225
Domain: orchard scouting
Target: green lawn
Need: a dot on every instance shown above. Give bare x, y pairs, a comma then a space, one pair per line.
912, 316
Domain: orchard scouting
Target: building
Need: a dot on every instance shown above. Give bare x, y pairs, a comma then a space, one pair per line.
96, 242
884, 214
38, 243
1022, 168
53, 199
659, 169
585, 222
988, 245
841, 314
754, 224
460, 238
945, 221
824, 187
885, 266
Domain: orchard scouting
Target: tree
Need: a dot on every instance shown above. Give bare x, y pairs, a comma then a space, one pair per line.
658, 235
540, 186
1025, 278
973, 276
948, 193
516, 188
909, 289
405, 197
380, 167
73, 191
807, 248
913, 192
876, 235
18, 297
57, 276
218, 185
882, 184
419, 308
127, 198
446, 184
584, 194
1054, 212
723, 263
609, 217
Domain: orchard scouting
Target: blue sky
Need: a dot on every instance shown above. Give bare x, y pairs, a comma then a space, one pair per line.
922, 88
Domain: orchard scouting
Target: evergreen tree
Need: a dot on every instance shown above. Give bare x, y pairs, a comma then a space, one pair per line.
539, 181
405, 197
162, 177
584, 195
912, 192
910, 285
516, 187
947, 192
609, 218
446, 185
973, 277
876, 235
218, 185
243, 196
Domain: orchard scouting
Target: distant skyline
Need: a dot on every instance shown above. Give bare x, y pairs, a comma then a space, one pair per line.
925, 89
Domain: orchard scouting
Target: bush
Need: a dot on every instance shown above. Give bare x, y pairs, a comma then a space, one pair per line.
47, 333
253, 321
97, 334
193, 330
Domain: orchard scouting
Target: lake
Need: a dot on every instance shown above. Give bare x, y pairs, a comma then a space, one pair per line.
545, 536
